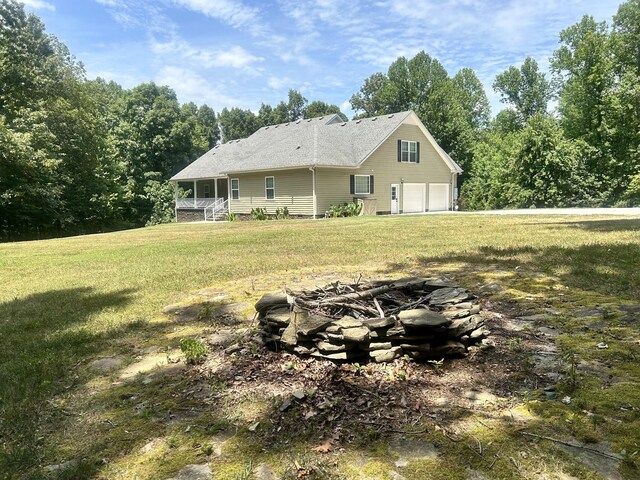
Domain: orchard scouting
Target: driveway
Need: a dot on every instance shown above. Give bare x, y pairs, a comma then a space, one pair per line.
551, 211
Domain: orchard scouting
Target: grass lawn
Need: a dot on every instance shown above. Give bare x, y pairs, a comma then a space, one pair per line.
65, 303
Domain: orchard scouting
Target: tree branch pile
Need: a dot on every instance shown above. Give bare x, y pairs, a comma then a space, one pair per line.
379, 320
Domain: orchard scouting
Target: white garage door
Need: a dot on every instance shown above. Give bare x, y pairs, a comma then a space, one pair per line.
438, 197
413, 197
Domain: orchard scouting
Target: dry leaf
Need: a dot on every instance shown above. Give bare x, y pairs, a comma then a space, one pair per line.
324, 448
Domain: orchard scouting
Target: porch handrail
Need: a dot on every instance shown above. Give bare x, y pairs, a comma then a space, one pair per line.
217, 208
197, 202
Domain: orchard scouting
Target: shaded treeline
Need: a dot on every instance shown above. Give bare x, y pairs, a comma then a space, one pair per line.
80, 155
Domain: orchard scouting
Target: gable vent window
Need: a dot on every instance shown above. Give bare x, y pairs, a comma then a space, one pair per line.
235, 189
269, 188
361, 184
408, 151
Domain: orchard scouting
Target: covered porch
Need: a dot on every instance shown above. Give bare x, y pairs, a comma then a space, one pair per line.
206, 199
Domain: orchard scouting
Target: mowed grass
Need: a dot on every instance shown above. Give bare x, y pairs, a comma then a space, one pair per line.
66, 302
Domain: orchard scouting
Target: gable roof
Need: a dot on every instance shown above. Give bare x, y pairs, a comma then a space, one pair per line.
317, 142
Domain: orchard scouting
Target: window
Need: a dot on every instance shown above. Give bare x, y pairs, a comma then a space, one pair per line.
409, 151
206, 191
362, 184
235, 189
269, 188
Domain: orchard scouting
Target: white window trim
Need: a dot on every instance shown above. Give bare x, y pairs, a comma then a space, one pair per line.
355, 185
206, 190
266, 189
408, 143
237, 180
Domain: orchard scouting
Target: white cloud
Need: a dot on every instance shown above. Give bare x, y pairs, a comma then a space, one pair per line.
278, 82
38, 5
231, 57
192, 87
232, 12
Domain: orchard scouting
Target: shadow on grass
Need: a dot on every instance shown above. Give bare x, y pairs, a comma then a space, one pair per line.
43, 340
607, 269
618, 225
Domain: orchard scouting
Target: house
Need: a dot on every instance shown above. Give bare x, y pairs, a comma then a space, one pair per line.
390, 162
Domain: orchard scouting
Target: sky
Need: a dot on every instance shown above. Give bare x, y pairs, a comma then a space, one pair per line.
241, 53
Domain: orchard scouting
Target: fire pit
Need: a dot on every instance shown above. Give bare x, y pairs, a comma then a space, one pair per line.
379, 320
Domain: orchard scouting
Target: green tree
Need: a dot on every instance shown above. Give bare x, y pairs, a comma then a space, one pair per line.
367, 102
525, 88
318, 109
237, 123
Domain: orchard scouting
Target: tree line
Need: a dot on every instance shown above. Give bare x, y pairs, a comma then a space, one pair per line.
79, 155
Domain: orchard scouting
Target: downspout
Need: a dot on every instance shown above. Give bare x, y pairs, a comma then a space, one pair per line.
313, 170
313, 187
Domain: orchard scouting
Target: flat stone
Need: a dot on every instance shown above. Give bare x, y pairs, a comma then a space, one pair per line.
408, 449
356, 335
456, 313
348, 355
60, 467
289, 337
219, 439
347, 322
376, 323
107, 364
308, 324
589, 312
491, 287
548, 331
422, 318
303, 350
395, 332
279, 316
379, 346
421, 347
607, 466
194, 472
629, 308
264, 472
461, 326
270, 300
449, 295
222, 339
535, 318
479, 333
381, 356
476, 475
328, 347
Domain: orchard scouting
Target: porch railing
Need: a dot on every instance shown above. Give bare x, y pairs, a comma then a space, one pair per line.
217, 209
197, 202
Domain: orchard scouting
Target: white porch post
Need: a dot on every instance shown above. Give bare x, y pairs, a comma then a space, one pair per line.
195, 194
215, 187
175, 208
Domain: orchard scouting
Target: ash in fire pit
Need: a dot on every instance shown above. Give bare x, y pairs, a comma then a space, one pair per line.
379, 320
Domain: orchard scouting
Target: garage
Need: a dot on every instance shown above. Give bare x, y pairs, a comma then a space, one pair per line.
414, 197
438, 197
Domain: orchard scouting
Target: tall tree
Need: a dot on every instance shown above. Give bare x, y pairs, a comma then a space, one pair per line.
237, 123
318, 108
525, 88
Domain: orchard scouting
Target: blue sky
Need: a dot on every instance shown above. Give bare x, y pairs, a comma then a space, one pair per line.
243, 52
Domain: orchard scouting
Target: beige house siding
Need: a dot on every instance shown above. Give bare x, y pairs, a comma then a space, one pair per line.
333, 185
293, 189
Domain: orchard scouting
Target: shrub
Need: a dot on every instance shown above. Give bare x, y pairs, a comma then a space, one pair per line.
231, 217
345, 210
193, 349
282, 213
259, 213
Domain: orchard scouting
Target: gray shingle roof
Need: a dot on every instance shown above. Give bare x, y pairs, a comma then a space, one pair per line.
322, 141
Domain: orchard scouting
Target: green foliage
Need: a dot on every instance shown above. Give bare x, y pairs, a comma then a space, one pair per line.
525, 88
231, 217
193, 349
282, 213
320, 109
259, 213
351, 209
161, 195
631, 196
